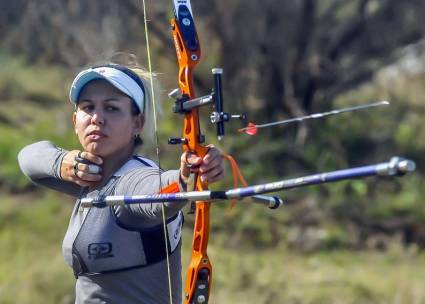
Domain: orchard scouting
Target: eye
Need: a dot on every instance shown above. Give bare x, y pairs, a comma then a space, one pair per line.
86, 107
110, 108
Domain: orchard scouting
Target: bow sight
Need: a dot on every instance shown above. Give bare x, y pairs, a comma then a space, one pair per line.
183, 104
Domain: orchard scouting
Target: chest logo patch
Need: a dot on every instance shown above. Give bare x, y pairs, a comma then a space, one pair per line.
100, 250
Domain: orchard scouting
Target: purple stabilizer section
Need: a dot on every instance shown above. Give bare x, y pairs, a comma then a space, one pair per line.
349, 173
306, 181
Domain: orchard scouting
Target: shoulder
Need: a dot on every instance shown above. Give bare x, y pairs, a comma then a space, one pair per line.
145, 161
136, 163
136, 173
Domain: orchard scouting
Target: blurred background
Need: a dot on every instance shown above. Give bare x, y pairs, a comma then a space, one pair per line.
359, 241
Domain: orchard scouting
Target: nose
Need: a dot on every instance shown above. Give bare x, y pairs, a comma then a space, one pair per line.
98, 118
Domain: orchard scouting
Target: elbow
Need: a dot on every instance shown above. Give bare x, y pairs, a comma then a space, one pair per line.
32, 159
24, 162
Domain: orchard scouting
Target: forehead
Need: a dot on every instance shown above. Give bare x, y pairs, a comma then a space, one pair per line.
101, 89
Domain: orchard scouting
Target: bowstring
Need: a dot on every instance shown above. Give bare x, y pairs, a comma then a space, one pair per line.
157, 147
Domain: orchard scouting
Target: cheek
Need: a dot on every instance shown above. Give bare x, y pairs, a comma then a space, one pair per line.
122, 131
81, 115
81, 121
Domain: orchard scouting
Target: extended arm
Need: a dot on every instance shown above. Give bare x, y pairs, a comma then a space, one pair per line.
144, 181
40, 162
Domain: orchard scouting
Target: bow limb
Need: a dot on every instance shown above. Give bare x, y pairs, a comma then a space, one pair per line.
199, 273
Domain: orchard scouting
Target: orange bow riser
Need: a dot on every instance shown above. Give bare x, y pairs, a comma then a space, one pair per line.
188, 52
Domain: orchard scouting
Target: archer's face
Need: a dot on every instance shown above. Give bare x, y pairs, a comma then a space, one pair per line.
104, 122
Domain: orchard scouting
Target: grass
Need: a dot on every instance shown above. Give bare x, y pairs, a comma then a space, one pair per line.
33, 270
279, 276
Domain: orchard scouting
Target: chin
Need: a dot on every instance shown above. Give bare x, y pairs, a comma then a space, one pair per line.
104, 149
98, 149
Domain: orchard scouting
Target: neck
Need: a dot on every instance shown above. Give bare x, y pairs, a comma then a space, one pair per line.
112, 163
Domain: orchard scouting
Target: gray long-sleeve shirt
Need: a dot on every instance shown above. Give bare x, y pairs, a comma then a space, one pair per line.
40, 162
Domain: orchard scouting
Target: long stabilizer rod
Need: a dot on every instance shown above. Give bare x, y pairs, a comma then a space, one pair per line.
396, 166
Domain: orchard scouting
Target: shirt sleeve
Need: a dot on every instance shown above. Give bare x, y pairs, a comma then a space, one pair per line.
146, 181
40, 162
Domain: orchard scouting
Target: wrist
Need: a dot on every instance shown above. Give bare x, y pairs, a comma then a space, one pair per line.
183, 182
58, 168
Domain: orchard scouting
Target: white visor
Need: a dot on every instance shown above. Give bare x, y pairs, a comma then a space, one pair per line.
114, 76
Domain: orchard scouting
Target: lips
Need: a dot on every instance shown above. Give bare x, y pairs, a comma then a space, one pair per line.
96, 135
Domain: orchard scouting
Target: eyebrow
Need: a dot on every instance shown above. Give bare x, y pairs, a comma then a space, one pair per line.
104, 100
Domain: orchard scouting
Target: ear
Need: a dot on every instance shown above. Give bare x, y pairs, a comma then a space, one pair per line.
74, 120
139, 121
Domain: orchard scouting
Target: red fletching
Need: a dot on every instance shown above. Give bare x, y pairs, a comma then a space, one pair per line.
251, 129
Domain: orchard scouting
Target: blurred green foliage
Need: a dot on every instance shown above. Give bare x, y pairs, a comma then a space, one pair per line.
32, 268
33, 107
358, 241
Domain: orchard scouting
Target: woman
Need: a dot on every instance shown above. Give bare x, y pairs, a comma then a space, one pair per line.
118, 253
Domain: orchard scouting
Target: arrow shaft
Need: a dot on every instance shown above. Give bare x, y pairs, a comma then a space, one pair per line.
320, 115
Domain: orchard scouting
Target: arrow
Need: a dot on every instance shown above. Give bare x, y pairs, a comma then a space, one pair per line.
252, 128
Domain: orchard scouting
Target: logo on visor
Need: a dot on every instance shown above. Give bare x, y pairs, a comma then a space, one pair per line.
100, 251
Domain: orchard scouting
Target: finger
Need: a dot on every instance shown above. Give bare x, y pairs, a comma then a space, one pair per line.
213, 175
193, 159
189, 163
91, 157
90, 168
188, 158
81, 172
207, 176
217, 161
88, 177
212, 154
